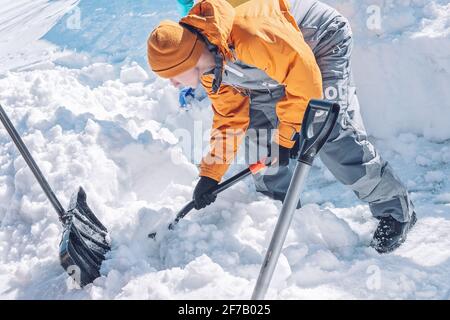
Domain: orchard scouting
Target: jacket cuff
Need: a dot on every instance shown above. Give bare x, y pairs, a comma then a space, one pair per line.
284, 135
213, 171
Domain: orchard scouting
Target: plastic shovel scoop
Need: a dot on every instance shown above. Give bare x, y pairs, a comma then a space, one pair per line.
85, 240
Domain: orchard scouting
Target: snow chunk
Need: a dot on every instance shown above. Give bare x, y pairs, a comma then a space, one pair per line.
322, 227
434, 176
97, 73
132, 74
200, 272
443, 198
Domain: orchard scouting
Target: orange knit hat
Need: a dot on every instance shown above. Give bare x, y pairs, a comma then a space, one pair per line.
172, 49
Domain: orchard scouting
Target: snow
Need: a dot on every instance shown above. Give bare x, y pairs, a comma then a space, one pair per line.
22, 24
92, 114
133, 74
404, 64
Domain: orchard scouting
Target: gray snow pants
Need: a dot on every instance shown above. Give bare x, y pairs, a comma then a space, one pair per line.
348, 154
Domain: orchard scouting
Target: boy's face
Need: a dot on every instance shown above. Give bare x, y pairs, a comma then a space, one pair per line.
190, 78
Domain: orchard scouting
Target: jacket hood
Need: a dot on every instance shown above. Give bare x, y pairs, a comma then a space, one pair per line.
214, 20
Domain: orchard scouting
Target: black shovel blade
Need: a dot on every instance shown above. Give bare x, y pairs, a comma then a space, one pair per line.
84, 243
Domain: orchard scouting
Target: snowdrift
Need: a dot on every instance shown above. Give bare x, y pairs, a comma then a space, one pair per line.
93, 114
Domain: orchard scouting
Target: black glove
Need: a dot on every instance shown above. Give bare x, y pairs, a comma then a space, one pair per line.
202, 197
295, 149
280, 154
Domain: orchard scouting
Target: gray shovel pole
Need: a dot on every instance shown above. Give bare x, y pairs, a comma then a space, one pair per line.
281, 230
309, 148
31, 163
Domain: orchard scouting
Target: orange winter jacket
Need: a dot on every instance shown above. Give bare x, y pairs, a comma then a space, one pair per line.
264, 35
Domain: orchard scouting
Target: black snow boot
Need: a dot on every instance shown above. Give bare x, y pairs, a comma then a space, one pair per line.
391, 233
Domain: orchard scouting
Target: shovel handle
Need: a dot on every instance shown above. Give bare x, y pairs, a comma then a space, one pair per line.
311, 145
309, 148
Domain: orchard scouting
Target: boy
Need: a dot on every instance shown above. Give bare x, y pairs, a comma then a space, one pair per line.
260, 73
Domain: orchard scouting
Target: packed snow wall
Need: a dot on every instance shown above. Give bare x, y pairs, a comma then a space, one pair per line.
92, 114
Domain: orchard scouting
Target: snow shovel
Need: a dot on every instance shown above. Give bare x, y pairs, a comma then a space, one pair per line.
85, 240
311, 141
252, 169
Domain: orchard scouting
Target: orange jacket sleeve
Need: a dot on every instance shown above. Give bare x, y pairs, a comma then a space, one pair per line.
230, 122
296, 68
